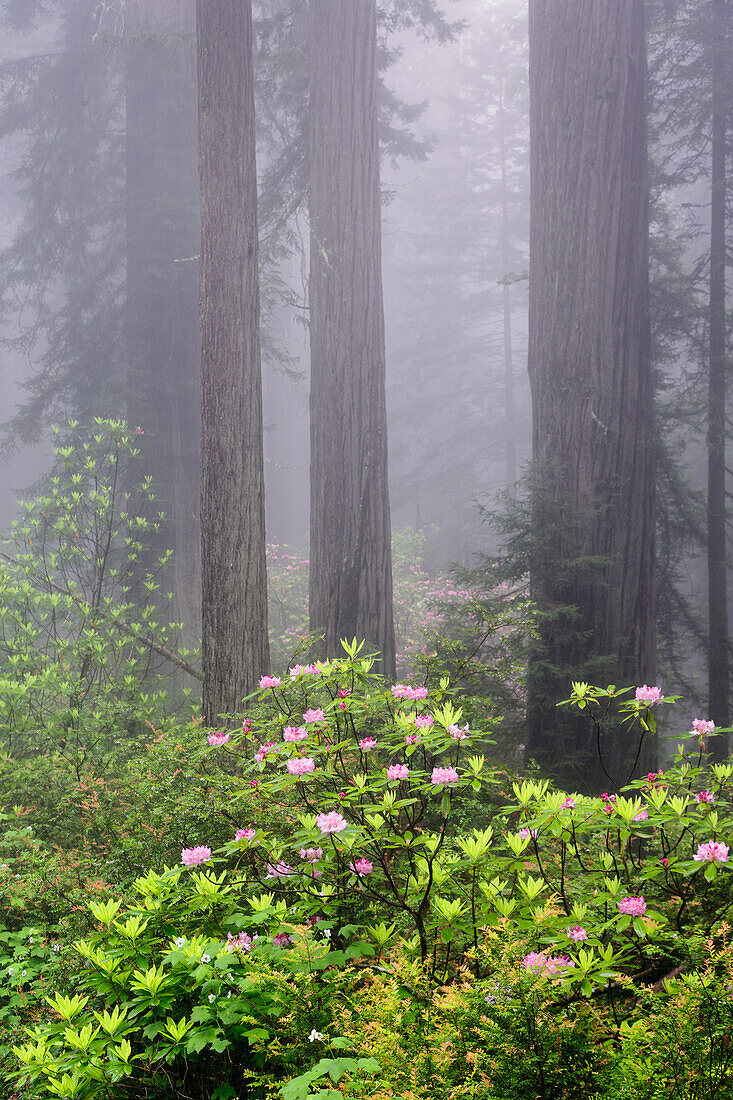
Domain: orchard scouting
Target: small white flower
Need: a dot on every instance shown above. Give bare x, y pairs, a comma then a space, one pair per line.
314, 1036
10, 970
57, 947
212, 997
24, 974
229, 994
180, 942
30, 939
205, 958
327, 933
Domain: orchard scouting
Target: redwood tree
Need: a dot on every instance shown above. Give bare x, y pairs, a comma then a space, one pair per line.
234, 590
592, 568
350, 553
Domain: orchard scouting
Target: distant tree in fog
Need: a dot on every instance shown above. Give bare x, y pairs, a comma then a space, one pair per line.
235, 649
350, 553
593, 503
162, 382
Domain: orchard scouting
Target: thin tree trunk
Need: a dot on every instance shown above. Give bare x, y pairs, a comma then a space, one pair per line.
510, 415
350, 554
593, 548
718, 661
235, 649
162, 230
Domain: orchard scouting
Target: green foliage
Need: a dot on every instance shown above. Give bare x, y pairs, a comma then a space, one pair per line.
82, 643
394, 918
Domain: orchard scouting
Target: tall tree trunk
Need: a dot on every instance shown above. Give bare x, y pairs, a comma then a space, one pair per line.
592, 568
162, 231
718, 661
350, 553
235, 650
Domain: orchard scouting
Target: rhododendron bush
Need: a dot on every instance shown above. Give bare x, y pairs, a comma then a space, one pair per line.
370, 833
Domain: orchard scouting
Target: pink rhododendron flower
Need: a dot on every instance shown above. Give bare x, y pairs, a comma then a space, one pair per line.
246, 725
218, 738
270, 682
311, 854
411, 739
301, 765
705, 798
343, 693
403, 691
424, 721
632, 907
362, 867
242, 942
245, 834
649, 696
526, 834
313, 715
577, 933
278, 870
702, 727
664, 861
458, 733
568, 804
263, 750
191, 857
713, 852
641, 816
331, 822
537, 963
397, 771
294, 733
304, 670
443, 777
367, 743
282, 939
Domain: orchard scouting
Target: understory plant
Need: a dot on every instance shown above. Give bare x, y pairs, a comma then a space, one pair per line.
83, 640
371, 838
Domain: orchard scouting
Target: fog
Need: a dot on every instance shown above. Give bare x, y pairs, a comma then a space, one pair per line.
454, 124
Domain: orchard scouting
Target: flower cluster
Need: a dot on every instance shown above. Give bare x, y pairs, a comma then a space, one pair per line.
304, 670
270, 682
263, 751
714, 851
577, 933
649, 696
192, 857
218, 738
403, 691
632, 907
300, 765
332, 822
313, 715
278, 870
397, 771
242, 942
444, 777
537, 963
294, 733
361, 867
